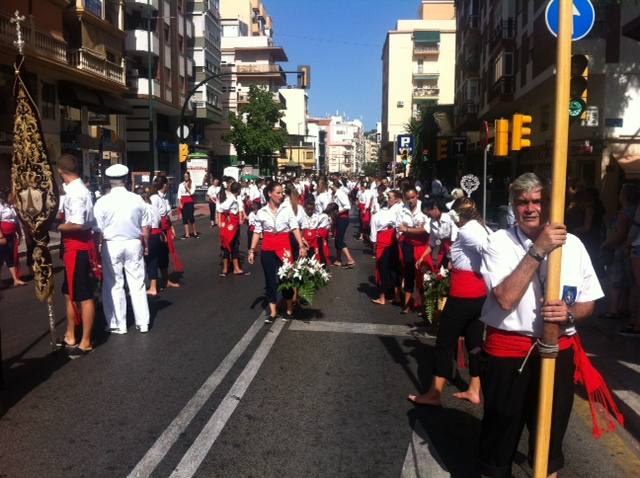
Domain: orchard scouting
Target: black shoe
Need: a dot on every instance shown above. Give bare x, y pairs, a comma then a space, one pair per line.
269, 319
183, 237
223, 274
77, 352
196, 236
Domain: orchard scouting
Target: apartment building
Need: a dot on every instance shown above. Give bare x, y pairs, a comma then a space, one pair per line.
75, 72
321, 125
300, 152
206, 53
418, 66
506, 60
344, 145
250, 57
160, 70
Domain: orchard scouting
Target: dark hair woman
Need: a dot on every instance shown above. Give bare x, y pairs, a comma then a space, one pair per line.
230, 214
385, 243
274, 222
186, 190
166, 246
461, 315
341, 199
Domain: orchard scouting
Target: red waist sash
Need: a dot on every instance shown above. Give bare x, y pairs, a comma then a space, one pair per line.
505, 344
186, 200
311, 236
280, 243
73, 243
416, 240
384, 240
252, 228
344, 214
229, 227
156, 231
324, 235
165, 225
467, 285
11, 229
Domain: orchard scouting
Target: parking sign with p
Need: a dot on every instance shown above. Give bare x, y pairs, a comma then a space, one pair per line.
404, 142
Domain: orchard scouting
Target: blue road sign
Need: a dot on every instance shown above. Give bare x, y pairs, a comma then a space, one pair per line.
404, 141
584, 16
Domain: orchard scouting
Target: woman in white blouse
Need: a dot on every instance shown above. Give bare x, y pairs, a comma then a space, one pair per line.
186, 190
275, 222
461, 315
230, 214
341, 199
9, 238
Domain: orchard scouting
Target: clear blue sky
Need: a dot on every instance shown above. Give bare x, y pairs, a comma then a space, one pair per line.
342, 41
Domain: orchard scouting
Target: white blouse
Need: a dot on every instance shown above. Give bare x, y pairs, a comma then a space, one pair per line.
231, 204
466, 250
384, 219
284, 220
184, 191
415, 218
342, 200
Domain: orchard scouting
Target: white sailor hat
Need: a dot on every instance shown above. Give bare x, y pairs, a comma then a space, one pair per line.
116, 171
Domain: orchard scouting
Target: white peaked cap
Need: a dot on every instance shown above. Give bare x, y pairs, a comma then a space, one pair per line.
116, 171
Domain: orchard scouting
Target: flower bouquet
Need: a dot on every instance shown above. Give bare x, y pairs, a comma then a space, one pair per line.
307, 275
436, 290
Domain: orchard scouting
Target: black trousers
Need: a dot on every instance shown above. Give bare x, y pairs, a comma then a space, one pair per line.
389, 269
7, 252
342, 223
270, 265
409, 267
212, 211
511, 402
461, 317
158, 257
187, 214
235, 248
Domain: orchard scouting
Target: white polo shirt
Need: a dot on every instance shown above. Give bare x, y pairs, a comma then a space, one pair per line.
504, 251
441, 229
415, 218
284, 220
78, 205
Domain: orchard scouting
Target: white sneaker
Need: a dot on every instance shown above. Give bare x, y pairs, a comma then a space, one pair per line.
143, 329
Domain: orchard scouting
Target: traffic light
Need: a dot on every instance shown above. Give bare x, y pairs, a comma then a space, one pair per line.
501, 144
520, 134
579, 85
443, 150
184, 152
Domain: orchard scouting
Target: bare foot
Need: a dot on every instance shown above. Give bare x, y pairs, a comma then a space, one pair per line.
378, 301
173, 284
18, 283
152, 293
425, 399
470, 396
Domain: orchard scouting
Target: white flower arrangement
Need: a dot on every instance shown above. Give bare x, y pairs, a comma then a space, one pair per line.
307, 275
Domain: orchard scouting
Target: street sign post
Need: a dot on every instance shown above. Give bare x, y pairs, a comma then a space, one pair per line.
584, 16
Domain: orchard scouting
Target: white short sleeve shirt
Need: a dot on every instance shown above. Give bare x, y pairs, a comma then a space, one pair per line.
78, 204
284, 220
504, 251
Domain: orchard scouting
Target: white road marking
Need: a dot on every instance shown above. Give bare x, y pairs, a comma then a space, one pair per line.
422, 460
633, 366
163, 444
630, 399
353, 328
197, 452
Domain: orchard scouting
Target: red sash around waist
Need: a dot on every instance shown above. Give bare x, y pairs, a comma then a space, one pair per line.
505, 344
384, 240
165, 225
280, 243
344, 214
229, 227
8, 228
73, 243
156, 231
186, 200
324, 235
11, 229
467, 285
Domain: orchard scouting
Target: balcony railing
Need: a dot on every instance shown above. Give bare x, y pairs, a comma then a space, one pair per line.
258, 69
36, 41
428, 92
504, 30
85, 60
137, 41
504, 86
426, 49
141, 86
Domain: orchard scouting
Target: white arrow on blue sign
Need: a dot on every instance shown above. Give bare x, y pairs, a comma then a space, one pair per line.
405, 141
584, 16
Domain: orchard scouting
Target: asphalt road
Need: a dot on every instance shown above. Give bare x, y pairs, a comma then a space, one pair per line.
212, 392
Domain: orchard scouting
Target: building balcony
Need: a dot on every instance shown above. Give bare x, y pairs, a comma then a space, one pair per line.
504, 30
35, 42
502, 89
143, 4
137, 42
426, 92
426, 49
207, 111
263, 68
421, 75
140, 86
83, 59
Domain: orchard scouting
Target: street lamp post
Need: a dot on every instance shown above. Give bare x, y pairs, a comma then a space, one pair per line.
152, 148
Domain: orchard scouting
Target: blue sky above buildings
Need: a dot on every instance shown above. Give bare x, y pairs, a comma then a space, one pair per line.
342, 41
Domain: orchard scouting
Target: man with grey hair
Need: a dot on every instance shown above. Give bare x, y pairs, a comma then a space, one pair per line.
515, 270
121, 217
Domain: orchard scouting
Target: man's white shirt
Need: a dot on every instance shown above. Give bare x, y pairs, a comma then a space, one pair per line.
78, 204
504, 251
120, 215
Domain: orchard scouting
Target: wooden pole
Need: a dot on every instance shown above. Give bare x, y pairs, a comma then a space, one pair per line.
558, 187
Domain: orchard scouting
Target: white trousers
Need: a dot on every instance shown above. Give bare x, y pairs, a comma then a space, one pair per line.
120, 258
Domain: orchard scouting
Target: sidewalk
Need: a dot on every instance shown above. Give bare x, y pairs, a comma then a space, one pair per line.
201, 210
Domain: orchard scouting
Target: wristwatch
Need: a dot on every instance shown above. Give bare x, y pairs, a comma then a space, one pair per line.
571, 320
533, 252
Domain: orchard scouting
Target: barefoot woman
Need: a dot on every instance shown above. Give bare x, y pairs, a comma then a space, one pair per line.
462, 313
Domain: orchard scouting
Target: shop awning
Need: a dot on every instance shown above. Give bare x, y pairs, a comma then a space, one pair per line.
72, 94
426, 37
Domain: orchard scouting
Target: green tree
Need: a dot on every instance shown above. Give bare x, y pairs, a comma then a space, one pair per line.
371, 168
417, 128
255, 131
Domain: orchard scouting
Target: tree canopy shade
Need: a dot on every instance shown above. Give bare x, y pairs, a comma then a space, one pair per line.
255, 131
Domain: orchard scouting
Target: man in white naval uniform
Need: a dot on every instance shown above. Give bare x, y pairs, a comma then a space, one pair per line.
120, 217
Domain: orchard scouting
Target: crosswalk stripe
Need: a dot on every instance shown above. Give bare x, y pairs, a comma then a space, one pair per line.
353, 328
